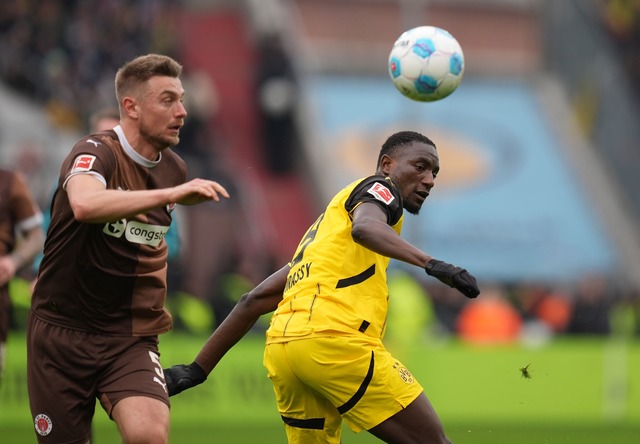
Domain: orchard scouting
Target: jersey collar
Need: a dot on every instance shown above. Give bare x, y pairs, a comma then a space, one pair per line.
133, 154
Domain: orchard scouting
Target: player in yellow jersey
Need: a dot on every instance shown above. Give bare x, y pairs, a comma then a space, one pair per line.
324, 351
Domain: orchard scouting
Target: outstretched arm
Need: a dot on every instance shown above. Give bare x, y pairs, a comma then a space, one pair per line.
91, 202
261, 300
370, 229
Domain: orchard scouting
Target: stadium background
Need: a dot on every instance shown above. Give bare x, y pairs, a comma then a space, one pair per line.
289, 101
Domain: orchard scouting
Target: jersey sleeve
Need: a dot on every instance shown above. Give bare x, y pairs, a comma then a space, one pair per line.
89, 156
381, 191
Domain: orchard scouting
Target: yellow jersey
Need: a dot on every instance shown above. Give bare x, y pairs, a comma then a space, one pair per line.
336, 286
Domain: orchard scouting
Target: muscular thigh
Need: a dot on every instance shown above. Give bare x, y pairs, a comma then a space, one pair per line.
62, 382
135, 371
360, 379
68, 369
308, 417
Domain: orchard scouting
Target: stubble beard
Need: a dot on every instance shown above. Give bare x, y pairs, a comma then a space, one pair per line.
159, 142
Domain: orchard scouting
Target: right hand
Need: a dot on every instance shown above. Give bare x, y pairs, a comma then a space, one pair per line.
454, 277
197, 191
182, 377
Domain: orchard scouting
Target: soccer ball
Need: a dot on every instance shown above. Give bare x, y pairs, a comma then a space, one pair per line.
426, 63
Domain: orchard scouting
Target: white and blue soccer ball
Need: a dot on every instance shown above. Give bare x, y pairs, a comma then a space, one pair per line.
426, 63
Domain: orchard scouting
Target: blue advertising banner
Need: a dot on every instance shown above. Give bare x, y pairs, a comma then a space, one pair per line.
507, 203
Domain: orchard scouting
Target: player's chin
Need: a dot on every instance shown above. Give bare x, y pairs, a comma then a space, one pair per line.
412, 206
172, 140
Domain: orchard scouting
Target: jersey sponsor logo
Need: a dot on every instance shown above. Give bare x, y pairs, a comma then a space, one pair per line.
115, 229
297, 275
136, 232
93, 141
42, 424
380, 192
84, 162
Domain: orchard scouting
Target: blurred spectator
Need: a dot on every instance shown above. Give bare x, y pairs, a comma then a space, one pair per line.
538, 302
591, 305
490, 319
447, 304
622, 21
201, 140
277, 90
103, 120
21, 238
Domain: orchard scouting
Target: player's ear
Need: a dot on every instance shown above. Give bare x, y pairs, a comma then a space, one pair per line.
130, 106
385, 165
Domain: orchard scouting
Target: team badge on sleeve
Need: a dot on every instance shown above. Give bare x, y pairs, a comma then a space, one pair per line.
84, 162
380, 192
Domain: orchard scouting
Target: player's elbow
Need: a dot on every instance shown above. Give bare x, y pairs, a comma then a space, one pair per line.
360, 233
254, 304
249, 303
81, 212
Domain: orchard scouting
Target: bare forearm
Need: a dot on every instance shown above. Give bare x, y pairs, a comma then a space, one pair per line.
92, 203
261, 300
28, 247
382, 239
109, 205
232, 329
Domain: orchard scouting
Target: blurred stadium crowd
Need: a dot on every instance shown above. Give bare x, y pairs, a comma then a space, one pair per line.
62, 55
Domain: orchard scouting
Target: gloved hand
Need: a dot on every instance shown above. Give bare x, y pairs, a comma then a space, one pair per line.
181, 377
454, 277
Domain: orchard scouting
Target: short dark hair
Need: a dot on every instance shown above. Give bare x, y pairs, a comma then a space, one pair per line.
400, 139
141, 69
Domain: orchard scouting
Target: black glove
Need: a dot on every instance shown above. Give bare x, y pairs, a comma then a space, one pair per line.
181, 377
454, 277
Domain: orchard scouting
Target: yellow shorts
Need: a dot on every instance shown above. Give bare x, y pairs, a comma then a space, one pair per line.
319, 381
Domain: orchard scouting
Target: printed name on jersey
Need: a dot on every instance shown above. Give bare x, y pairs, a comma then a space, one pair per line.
84, 162
381, 192
136, 232
298, 274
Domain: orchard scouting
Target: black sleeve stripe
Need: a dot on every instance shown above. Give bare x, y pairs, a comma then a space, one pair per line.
358, 278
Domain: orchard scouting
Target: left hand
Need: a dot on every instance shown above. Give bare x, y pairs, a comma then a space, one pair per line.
454, 277
182, 377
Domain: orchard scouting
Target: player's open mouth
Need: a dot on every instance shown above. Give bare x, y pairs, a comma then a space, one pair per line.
422, 194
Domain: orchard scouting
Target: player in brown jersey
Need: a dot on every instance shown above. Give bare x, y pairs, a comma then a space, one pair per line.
19, 215
98, 304
324, 352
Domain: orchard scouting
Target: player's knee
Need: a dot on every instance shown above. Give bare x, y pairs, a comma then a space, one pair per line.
150, 434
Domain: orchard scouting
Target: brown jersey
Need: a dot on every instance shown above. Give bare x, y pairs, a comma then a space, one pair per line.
108, 278
18, 213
